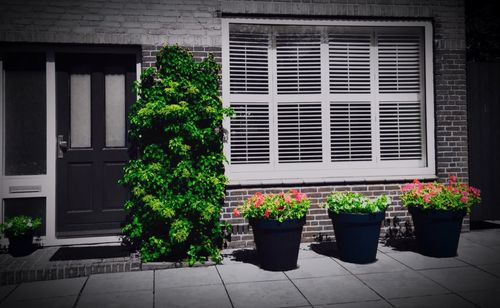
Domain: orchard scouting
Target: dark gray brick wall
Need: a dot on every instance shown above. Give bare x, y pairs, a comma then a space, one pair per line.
196, 24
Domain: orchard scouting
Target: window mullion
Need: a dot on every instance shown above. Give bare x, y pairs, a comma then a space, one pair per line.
273, 105
375, 99
325, 104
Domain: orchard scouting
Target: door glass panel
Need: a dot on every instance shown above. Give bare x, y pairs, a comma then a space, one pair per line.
115, 110
25, 114
80, 110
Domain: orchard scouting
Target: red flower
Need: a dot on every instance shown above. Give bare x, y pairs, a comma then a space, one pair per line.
236, 212
267, 213
453, 179
427, 198
288, 199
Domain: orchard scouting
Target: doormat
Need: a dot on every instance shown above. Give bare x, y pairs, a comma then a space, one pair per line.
83, 253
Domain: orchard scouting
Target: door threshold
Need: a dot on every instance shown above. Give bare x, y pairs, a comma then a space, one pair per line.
88, 233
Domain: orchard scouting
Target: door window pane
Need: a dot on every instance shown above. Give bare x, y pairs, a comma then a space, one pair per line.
80, 110
115, 110
25, 114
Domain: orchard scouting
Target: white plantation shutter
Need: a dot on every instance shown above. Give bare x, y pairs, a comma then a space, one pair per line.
327, 101
250, 133
400, 130
350, 124
298, 63
248, 62
349, 57
399, 63
299, 132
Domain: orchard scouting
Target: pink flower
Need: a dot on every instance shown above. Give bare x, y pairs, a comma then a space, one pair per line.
236, 212
288, 199
427, 198
298, 196
464, 199
453, 179
406, 187
267, 213
259, 199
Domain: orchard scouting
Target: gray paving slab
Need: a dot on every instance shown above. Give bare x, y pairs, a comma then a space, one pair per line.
186, 277
316, 267
442, 301
383, 264
386, 249
5, 290
482, 237
117, 299
245, 272
418, 261
478, 255
307, 253
465, 242
461, 279
265, 294
119, 282
491, 268
51, 302
483, 298
193, 297
47, 289
240, 255
333, 290
371, 304
401, 284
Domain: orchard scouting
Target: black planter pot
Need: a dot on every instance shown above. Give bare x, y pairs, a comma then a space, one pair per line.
357, 235
277, 242
437, 232
21, 245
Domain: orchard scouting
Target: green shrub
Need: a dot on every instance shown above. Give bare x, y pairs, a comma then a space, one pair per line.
355, 203
176, 181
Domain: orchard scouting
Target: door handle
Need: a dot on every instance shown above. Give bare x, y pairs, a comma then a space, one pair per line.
62, 146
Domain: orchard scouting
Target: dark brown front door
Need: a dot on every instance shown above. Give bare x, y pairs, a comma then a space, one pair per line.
94, 92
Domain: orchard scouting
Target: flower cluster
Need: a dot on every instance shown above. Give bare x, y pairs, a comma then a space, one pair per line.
20, 225
355, 203
453, 195
282, 206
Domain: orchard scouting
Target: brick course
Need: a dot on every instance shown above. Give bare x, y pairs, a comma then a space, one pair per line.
196, 24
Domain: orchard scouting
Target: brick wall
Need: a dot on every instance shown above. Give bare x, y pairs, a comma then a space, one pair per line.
196, 24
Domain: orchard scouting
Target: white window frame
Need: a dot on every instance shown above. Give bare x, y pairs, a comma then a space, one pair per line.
252, 174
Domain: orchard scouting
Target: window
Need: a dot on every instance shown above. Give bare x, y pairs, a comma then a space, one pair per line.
328, 101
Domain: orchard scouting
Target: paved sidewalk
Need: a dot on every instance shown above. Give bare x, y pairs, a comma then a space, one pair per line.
399, 278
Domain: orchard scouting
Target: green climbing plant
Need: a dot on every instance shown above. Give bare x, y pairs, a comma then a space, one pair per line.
176, 179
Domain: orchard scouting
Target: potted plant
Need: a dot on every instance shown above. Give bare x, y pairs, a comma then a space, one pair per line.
437, 211
356, 222
277, 221
19, 230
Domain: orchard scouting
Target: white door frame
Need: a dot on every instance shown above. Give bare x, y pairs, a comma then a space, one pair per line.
45, 185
